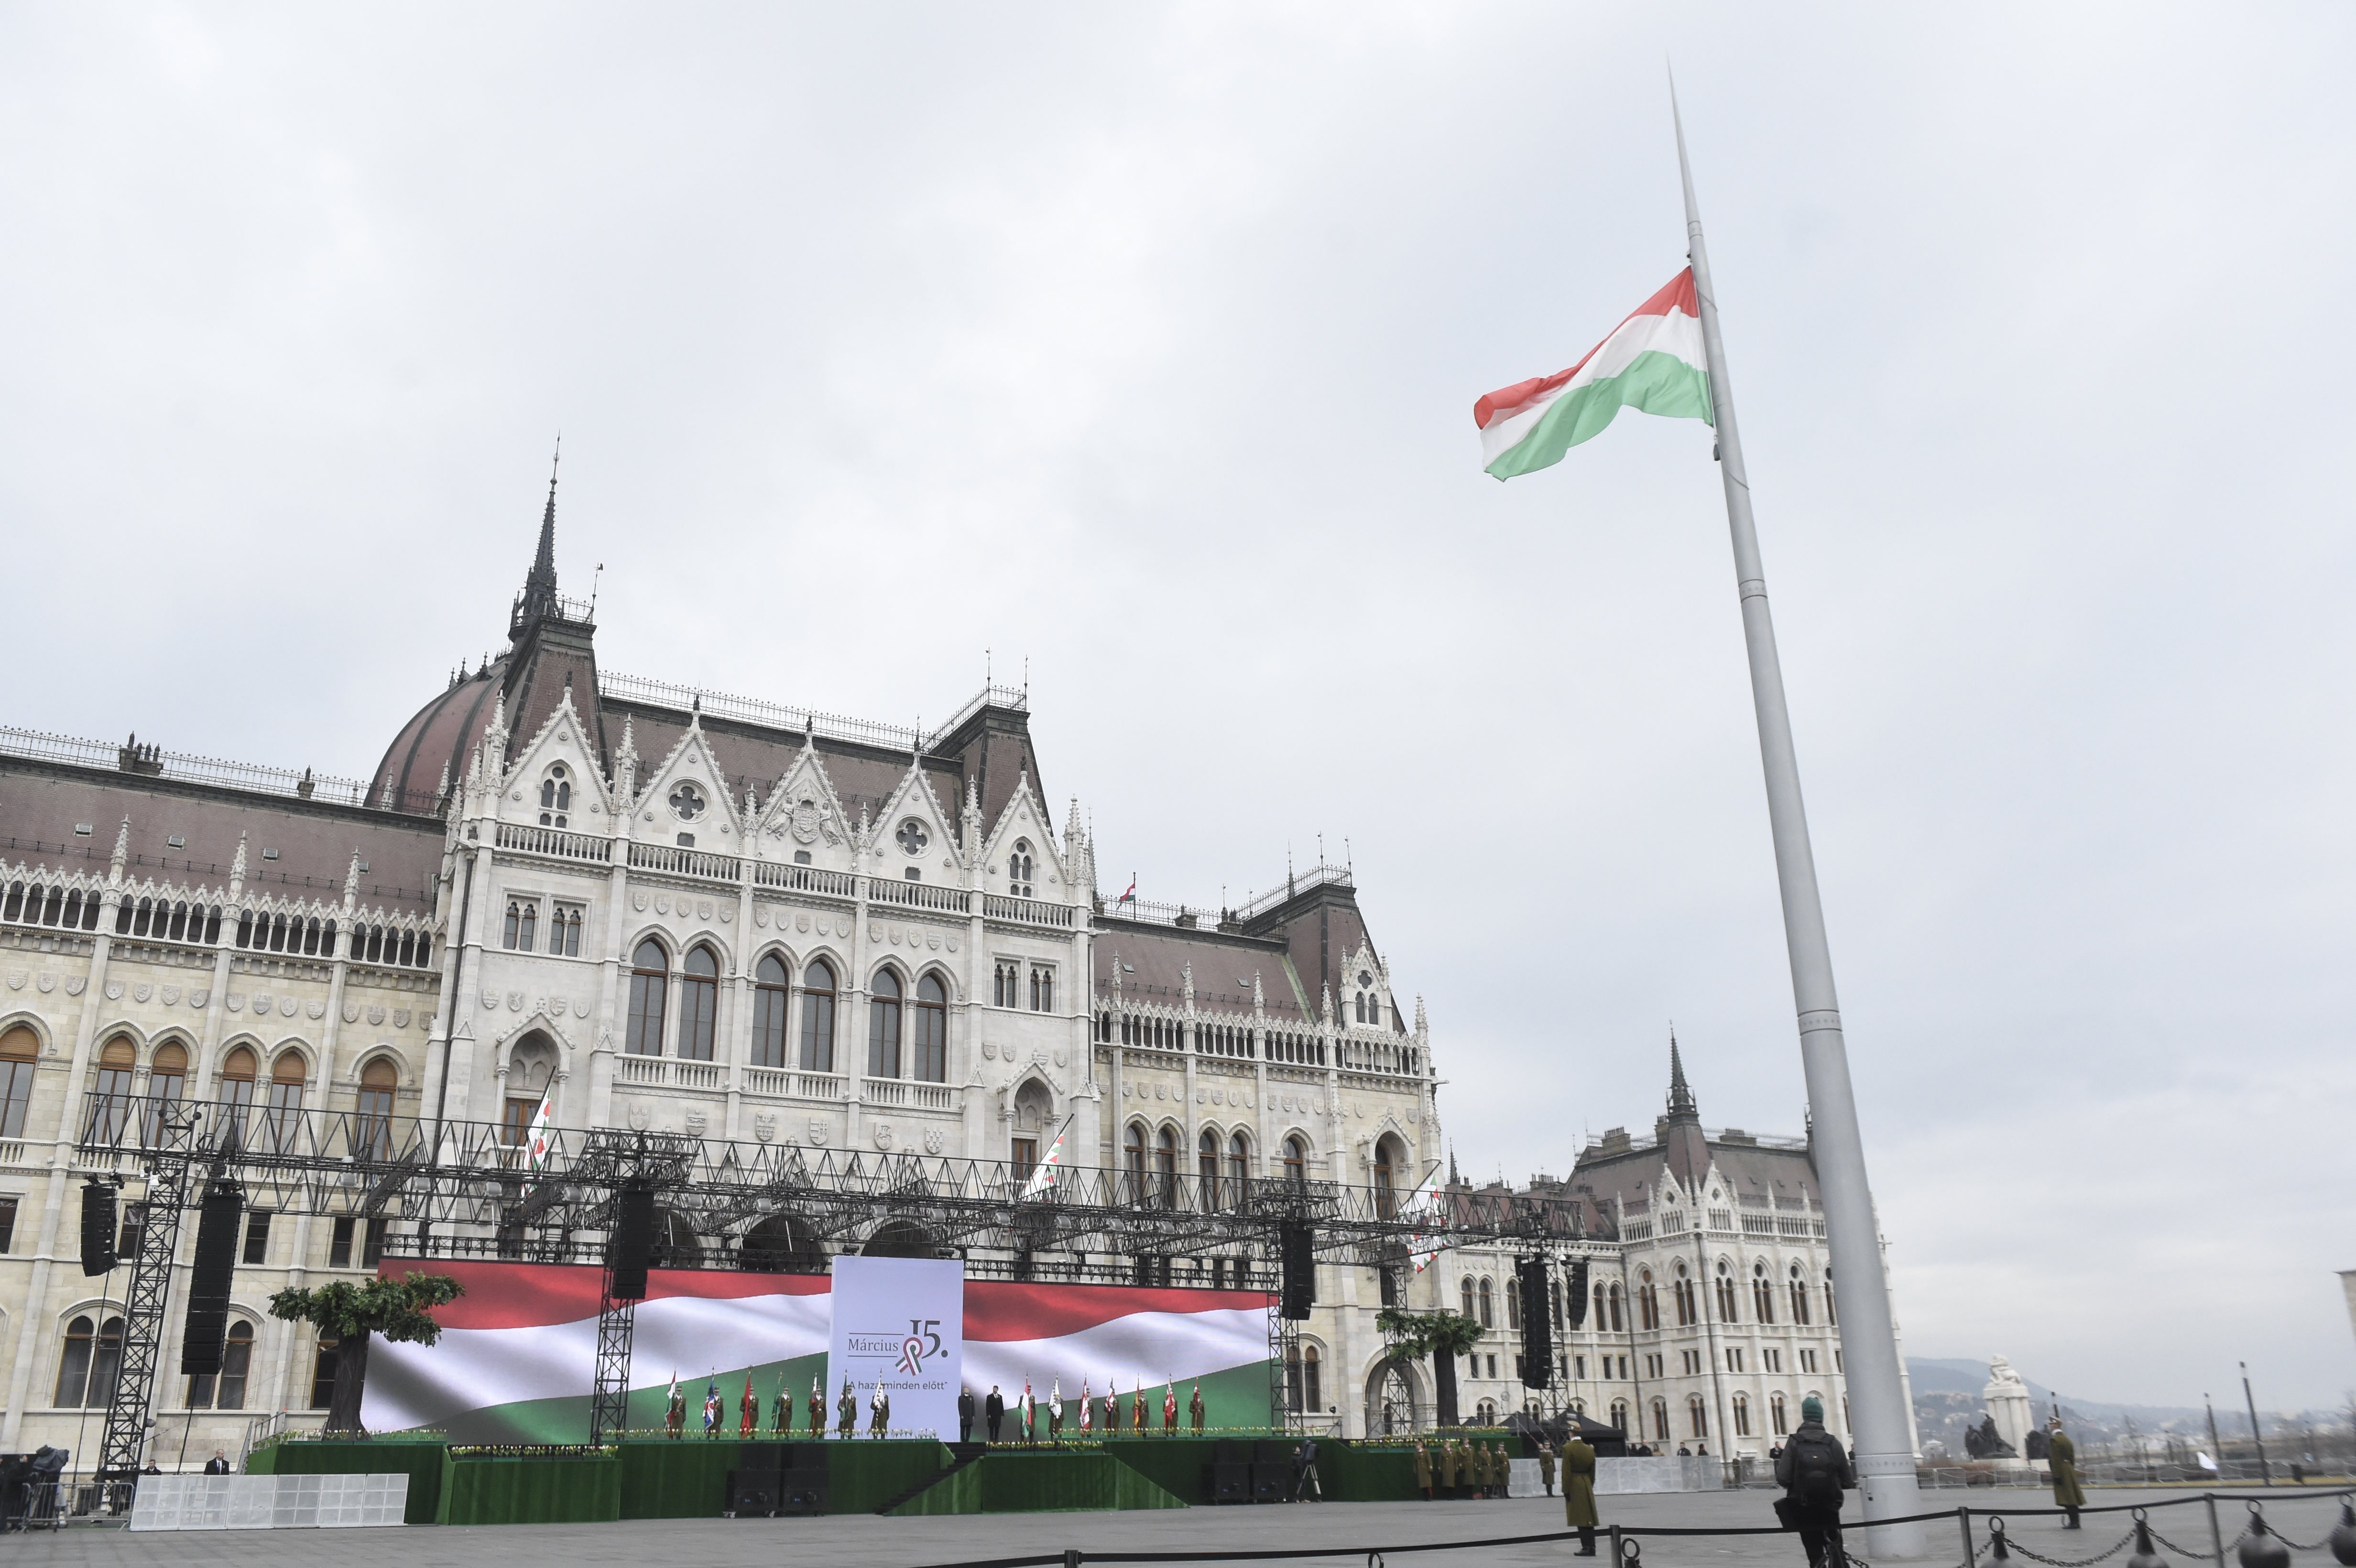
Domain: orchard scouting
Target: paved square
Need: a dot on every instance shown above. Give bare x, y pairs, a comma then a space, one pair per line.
1345, 1530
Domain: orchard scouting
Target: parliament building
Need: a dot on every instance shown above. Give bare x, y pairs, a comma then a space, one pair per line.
664, 908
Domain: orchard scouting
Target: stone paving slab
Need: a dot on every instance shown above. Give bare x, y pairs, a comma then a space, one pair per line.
1345, 1531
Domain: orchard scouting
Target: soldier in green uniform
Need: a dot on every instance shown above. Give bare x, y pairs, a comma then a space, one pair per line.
1546, 1464
2062, 1455
1579, 1490
1502, 1467
846, 1410
1447, 1468
1423, 1469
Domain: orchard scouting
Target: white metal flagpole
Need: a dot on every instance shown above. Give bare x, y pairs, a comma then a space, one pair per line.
1879, 1426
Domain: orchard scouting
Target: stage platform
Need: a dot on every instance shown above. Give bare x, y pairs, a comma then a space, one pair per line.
692, 1478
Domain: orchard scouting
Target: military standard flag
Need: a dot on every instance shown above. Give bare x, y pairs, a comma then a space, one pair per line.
1653, 362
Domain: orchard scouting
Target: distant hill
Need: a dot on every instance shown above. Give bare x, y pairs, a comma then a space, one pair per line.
1947, 1398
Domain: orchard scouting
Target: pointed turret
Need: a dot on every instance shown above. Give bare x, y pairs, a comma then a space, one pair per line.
352, 881
538, 600
1682, 1108
237, 869
122, 856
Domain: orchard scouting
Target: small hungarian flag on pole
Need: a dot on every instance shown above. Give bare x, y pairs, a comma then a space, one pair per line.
1131, 896
543, 1123
1029, 1410
1086, 1402
1653, 362
750, 1421
1042, 1175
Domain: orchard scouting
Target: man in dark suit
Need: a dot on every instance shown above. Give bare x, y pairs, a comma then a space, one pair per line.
965, 1414
217, 1465
993, 1411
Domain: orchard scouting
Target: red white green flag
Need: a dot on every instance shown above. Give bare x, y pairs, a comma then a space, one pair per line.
1653, 362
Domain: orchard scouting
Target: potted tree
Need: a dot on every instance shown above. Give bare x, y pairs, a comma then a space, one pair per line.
399, 1309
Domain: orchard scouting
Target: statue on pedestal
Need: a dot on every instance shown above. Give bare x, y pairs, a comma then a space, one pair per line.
2009, 1420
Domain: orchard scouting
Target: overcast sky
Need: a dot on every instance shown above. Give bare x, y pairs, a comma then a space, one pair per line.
1141, 344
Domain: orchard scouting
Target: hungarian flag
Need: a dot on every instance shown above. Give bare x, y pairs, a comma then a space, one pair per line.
750, 1424
1085, 1402
543, 1126
1653, 362
1042, 1175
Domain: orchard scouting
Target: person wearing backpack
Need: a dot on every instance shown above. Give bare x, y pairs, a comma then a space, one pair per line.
1814, 1471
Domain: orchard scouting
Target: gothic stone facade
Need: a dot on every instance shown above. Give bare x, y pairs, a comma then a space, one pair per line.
681, 912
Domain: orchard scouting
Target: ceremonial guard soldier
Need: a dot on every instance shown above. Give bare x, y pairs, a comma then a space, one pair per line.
816, 1408
1194, 1408
880, 1403
1113, 1407
1423, 1469
965, 1413
1579, 1489
675, 1409
2062, 1455
1545, 1466
994, 1412
846, 1410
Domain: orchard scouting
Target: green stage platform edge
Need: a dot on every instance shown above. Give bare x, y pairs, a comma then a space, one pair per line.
688, 1478
484, 1489
419, 1458
1042, 1482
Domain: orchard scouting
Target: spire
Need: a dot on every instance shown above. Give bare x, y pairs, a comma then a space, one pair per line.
352, 880
121, 852
237, 867
538, 596
1681, 1099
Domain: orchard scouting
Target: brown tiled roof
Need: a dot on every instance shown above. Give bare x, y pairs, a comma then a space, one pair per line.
1154, 958
41, 802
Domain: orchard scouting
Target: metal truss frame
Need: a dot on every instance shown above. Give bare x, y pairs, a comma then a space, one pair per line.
461, 1189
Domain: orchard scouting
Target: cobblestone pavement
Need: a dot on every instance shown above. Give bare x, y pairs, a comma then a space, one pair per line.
1344, 1531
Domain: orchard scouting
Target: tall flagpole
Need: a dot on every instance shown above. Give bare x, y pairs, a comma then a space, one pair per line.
1878, 1414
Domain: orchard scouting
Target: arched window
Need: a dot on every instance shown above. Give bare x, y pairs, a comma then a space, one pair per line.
227, 1392
167, 1084
1776, 1416
89, 1363
1799, 1297
1513, 1303
236, 1075
1648, 1302
1006, 984
929, 1037
112, 1118
1619, 1413
883, 1025
1132, 1150
564, 932
1832, 1316
555, 797
1165, 1166
1762, 1294
699, 1004
1618, 1325
649, 995
770, 989
1742, 1416
818, 1017
1464, 1291
1206, 1167
1018, 870
1238, 1163
1296, 1162
1661, 1420
1601, 1321
1359, 1007
20, 1049
1698, 1415
372, 1131
1727, 1299
286, 1114
1386, 1163
1683, 1291
1487, 1306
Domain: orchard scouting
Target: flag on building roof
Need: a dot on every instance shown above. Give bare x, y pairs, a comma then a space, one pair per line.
1653, 362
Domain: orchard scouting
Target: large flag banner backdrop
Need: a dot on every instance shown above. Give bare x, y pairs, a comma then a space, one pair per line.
899, 1323
516, 1350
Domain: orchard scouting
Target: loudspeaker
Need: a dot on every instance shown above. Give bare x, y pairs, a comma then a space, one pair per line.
1577, 1288
97, 1227
208, 1279
1538, 1322
630, 1245
1271, 1483
801, 1491
1296, 1246
752, 1494
1230, 1483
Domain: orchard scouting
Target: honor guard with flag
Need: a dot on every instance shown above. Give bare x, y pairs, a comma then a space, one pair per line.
846, 1410
781, 1408
879, 1404
748, 1420
712, 1408
1056, 1408
1087, 1405
1170, 1405
675, 1409
817, 1407
1112, 1406
1137, 1410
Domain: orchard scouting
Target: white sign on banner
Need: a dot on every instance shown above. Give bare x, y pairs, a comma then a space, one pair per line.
899, 1322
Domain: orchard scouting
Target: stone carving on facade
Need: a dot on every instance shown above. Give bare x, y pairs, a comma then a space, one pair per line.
401, 1018
638, 1118
46, 984
882, 1134
114, 990
200, 999
818, 1132
764, 1124
171, 995
16, 979
694, 1121
318, 1011
935, 1140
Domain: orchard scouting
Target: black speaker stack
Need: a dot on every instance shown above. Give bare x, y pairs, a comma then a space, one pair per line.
630, 1245
777, 1478
1297, 1255
1538, 1322
1578, 1289
219, 1218
97, 1227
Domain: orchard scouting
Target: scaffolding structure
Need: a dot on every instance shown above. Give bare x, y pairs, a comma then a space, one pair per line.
464, 1190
